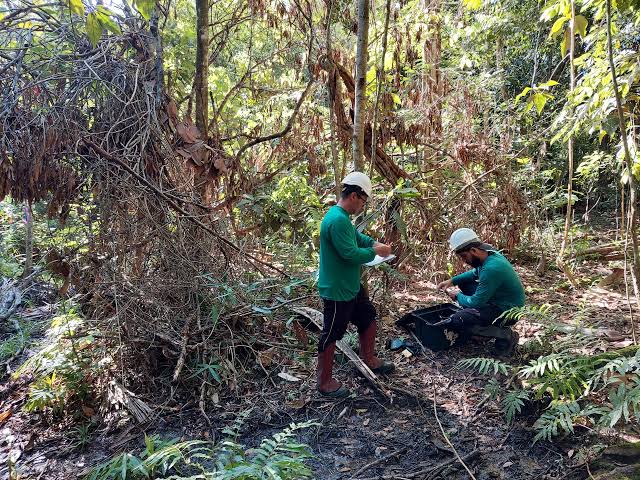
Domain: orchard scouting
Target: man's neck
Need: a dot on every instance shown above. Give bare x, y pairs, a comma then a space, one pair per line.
342, 204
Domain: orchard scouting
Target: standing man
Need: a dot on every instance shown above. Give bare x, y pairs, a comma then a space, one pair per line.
485, 292
342, 252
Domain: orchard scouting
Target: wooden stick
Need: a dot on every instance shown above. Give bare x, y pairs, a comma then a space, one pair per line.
425, 473
435, 412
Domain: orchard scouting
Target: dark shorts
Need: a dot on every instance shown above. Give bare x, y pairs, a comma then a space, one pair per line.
467, 317
337, 316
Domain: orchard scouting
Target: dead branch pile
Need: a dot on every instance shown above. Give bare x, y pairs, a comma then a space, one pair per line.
93, 123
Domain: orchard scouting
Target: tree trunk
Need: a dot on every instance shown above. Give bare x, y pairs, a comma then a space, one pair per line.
432, 88
384, 164
332, 114
28, 243
379, 81
201, 91
202, 66
567, 223
360, 85
632, 231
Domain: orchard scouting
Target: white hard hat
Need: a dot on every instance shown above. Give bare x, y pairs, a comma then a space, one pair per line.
359, 179
461, 238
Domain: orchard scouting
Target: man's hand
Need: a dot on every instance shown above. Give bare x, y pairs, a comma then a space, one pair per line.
453, 294
444, 285
382, 249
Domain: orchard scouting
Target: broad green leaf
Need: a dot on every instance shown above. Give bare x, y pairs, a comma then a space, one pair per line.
557, 26
265, 311
145, 7
94, 29
546, 85
77, 7
214, 315
566, 41
473, 4
522, 94
104, 17
580, 25
550, 12
539, 100
529, 104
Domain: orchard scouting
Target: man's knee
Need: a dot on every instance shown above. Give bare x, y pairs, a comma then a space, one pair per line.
365, 315
465, 318
336, 319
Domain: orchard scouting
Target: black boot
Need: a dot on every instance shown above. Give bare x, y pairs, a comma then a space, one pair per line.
505, 347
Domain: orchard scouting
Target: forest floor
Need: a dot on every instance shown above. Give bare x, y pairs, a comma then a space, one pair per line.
364, 436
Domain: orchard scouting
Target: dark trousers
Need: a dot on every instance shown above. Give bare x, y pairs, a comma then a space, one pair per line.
474, 316
337, 316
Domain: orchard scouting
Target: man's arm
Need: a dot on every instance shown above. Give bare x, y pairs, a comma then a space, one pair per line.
343, 240
381, 249
489, 281
464, 277
364, 240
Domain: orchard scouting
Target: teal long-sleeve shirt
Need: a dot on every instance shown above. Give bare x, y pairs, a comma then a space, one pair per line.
342, 251
498, 284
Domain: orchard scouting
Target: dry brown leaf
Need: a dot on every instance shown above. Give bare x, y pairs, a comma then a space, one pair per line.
266, 357
88, 411
5, 415
183, 153
220, 164
300, 333
31, 442
188, 131
298, 404
172, 110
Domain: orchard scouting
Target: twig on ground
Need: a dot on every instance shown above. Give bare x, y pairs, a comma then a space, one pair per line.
379, 461
504, 440
203, 388
438, 468
435, 412
44, 469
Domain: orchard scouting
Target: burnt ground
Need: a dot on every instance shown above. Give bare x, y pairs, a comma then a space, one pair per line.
366, 436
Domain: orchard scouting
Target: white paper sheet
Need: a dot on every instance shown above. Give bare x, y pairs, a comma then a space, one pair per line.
378, 260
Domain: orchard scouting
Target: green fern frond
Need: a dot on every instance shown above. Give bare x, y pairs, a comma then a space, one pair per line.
558, 418
516, 314
548, 363
625, 402
513, 402
485, 365
492, 389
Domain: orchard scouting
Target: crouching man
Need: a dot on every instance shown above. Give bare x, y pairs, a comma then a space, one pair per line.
485, 292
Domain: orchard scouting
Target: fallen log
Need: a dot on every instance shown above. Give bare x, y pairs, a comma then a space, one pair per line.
608, 252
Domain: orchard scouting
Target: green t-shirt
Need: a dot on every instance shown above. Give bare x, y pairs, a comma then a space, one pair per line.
342, 250
498, 284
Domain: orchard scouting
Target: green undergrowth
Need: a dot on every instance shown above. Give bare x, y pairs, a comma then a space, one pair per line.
280, 457
566, 378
